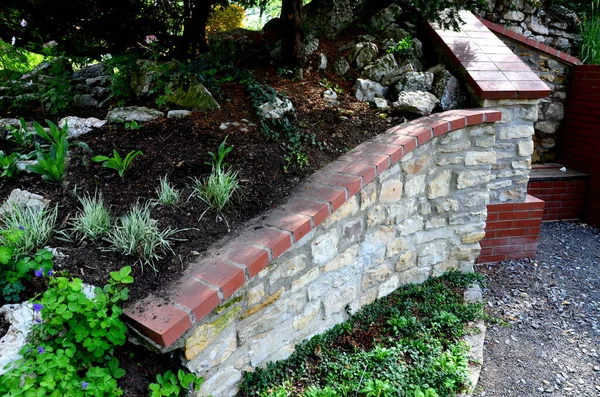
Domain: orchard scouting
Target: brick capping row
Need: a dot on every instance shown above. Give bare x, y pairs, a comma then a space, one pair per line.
490, 67
528, 41
208, 282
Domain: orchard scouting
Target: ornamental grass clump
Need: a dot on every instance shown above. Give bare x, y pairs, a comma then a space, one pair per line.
93, 220
167, 194
138, 235
220, 186
590, 35
37, 226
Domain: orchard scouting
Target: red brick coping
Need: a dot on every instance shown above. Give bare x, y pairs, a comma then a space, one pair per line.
209, 282
491, 68
528, 41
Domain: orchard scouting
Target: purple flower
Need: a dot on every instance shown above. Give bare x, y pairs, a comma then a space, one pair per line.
23, 23
50, 272
39, 272
37, 307
21, 228
84, 385
37, 320
41, 350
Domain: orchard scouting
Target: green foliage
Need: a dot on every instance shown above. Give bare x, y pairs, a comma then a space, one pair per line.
93, 220
590, 34
224, 19
117, 162
219, 157
15, 61
70, 352
21, 136
404, 47
8, 164
16, 267
168, 384
418, 354
36, 225
138, 235
52, 163
167, 194
121, 69
133, 125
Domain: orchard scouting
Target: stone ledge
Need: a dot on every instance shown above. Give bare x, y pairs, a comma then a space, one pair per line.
211, 280
490, 67
506, 31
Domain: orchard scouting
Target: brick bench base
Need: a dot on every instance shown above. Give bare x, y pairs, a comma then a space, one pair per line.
512, 230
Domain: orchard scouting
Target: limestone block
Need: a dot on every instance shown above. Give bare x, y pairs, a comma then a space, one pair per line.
430, 235
416, 166
470, 217
506, 132
476, 199
352, 231
374, 240
451, 137
223, 383
478, 158
415, 186
261, 346
255, 294
446, 205
207, 333
309, 313
443, 267
402, 211
309, 277
471, 178
219, 350
368, 196
349, 208
267, 302
525, 148
414, 275
432, 254
410, 226
456, 147
482, 130
449, 161
485, 141
499, 185
474, 237
388, 287
344, 259
391, 191
375, 216
336, 300
288, 268
440, 185
397, 246
549, 127
325, 247
435, 223
406, 261
375, 276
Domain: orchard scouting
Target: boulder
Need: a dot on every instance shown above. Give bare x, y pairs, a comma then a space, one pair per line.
191, 95
137, 113
385, 17
5, 124
143, 78
330, 97
276, 109
24, 200
21, 318
341, 67
384, 66
394, 32
100, 81
449, 91
418, 102
77, 126
536, 26
415, 81
311, 44
367, 90
363, 54
326, 18
84, 101
55, 66
390, 80
91, 72
322, 65
178, 114
381, 104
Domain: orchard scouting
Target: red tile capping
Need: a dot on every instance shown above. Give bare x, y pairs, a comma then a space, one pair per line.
485, 60
505, 31
208, 282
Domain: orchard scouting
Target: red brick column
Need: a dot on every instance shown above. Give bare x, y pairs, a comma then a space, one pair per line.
512, 230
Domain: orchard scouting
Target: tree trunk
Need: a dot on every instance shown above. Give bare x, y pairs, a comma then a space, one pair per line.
291, 42
196, 13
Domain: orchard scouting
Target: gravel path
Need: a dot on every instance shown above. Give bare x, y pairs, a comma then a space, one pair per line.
551, 345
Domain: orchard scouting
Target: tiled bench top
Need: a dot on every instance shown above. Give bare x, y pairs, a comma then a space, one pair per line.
490, 67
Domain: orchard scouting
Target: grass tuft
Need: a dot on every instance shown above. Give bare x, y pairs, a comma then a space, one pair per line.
590, 34
138, 235
167, 194
218, 188
93, 220
37, 225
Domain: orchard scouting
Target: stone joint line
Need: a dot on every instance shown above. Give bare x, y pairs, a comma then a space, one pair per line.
209, 282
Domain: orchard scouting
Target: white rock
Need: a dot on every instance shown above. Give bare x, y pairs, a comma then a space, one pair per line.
137, 113
178, 114
77, 126
276, 109
367, 90
21, 318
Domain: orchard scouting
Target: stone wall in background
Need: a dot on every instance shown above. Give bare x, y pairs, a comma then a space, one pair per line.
554, 72
422, 216
554, 25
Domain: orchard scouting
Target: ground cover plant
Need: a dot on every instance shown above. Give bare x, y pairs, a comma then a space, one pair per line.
407, 344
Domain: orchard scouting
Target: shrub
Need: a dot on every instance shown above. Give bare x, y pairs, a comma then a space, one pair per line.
138, 235
224, 19
51, 163
70, 351
168, 384
116, 162
93, 220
